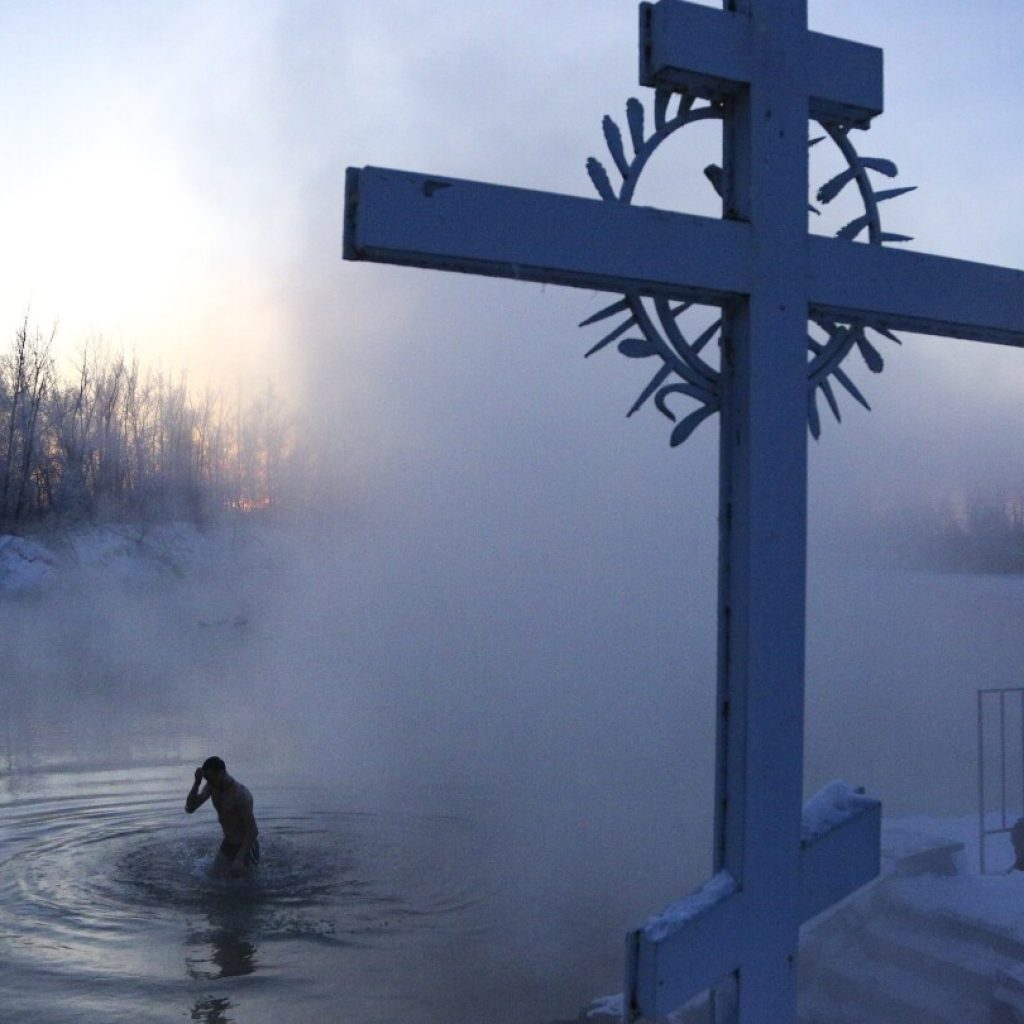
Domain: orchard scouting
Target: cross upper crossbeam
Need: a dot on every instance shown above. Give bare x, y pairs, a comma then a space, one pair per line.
448, 224
712, 54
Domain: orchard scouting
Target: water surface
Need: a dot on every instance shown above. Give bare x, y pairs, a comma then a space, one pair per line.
453, 830
110, 912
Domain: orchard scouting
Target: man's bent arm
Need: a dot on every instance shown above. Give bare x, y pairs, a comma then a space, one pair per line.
195, 798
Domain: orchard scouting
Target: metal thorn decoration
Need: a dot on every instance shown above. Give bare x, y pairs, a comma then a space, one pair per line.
683, 371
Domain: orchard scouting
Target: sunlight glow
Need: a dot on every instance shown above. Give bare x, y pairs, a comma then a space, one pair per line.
110, 233
116, 242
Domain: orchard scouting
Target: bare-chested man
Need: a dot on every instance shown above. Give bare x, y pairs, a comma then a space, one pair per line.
233, 803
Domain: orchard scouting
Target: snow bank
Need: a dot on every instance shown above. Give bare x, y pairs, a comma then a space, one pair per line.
142, 552
833, 804
25, 566
125, 553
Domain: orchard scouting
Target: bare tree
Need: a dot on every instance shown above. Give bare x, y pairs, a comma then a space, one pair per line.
26, 377
114, 442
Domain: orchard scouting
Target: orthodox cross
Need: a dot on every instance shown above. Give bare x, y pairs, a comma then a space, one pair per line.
765, 75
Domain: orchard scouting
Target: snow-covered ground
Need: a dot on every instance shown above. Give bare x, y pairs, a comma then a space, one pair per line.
131, 554
26, 566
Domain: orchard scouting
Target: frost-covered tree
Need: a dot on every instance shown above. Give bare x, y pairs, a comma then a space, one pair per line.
115, 442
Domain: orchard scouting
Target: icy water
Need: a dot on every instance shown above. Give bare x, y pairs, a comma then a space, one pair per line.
443, 842
109, 911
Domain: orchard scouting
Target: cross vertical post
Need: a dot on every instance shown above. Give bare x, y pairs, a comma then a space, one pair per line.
763, 514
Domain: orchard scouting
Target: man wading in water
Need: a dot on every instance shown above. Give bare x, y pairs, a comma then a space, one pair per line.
233, 803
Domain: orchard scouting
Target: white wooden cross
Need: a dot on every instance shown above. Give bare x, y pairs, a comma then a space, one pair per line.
760, 264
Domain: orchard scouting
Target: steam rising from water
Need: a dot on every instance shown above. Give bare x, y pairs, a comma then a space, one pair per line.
511, 617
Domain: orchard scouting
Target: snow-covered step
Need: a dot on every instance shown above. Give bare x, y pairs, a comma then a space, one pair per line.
985, 911
930, 954
908, 851
872, 990
1008, 997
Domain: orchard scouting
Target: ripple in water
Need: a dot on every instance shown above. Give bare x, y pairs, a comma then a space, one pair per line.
109, 901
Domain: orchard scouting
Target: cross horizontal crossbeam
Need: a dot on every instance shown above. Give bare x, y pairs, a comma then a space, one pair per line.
448, 224
915, 291
712, 54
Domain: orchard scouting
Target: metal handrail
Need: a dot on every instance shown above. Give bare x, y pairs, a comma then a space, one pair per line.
1004, 825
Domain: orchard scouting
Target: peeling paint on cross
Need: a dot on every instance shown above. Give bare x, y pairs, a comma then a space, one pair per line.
769, 275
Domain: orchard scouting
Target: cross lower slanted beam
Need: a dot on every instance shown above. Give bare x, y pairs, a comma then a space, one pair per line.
447, 224
707, 935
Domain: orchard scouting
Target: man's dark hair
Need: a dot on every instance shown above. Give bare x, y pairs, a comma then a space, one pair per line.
214, 764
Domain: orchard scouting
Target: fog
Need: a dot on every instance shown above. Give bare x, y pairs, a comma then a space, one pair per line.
554, 694
505, 611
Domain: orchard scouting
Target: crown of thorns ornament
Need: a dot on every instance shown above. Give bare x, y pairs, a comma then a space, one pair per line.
684, 370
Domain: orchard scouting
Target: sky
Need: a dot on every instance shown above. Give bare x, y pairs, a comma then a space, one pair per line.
175, 177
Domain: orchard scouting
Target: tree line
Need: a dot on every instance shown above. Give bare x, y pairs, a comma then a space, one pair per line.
109, 441
978, 530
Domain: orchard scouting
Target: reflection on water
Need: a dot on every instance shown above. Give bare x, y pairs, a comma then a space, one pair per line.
211, 1010
223, 948
109, 904
226, 951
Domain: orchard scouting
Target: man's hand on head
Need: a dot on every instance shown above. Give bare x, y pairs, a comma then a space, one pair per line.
196, 798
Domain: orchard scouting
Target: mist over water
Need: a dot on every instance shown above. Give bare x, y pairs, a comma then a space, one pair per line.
537, 672
397, 673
